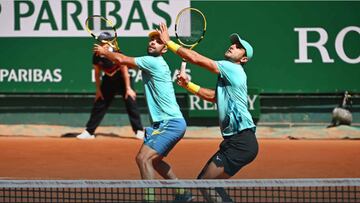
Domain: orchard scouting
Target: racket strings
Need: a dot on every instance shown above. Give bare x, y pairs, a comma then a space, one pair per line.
98, 25
190, 27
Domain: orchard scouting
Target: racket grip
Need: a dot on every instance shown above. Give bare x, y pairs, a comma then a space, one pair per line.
183, 68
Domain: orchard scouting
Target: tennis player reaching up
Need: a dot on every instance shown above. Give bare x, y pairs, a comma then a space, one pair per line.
239, 146
168, 125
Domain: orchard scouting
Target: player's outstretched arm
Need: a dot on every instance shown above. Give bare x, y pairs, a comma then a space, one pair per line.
187, 54
126, 77
207, 94
118, 58
204, 93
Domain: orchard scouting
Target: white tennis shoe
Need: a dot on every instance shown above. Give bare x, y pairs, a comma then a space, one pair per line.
85, 135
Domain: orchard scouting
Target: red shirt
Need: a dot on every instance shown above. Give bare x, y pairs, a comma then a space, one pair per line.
105, 64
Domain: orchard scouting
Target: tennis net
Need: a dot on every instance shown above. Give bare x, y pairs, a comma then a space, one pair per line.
260, 190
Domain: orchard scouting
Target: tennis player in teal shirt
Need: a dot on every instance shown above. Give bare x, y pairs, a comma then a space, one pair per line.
168, 124
239, 146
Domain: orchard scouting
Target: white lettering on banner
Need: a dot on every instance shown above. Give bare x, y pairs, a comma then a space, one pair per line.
133, 72
251, 101
208, 105
304, 44
137, 76
320, 45
30, 75
196, 103
93, 75
339, 44
63, 18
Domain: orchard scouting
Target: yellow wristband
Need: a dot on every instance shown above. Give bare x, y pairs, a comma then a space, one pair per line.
172, 46
193, 88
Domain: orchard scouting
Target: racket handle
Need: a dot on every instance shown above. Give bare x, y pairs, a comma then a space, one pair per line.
183, 68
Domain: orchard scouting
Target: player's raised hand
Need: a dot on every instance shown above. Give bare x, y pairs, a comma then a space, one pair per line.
99, 50
164, 33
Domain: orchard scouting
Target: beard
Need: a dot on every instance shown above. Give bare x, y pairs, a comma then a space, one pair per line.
231, 57
152, 52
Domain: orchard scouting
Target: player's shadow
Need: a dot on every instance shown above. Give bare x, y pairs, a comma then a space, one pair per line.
110, 135
73, 135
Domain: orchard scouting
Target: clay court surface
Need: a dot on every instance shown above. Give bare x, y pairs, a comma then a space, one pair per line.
114, 158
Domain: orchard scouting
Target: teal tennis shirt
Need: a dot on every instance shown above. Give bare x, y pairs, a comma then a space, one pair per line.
159, 89
231, 95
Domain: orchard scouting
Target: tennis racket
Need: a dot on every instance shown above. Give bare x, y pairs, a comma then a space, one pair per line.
97, 24
190, 27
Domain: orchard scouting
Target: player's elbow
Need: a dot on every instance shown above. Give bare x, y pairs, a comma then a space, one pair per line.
119, 60
209, 99
208, 95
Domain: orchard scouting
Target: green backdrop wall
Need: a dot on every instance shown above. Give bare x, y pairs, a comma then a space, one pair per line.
48, 64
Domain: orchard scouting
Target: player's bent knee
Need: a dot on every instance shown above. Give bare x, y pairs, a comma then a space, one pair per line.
140, 159
143, 158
